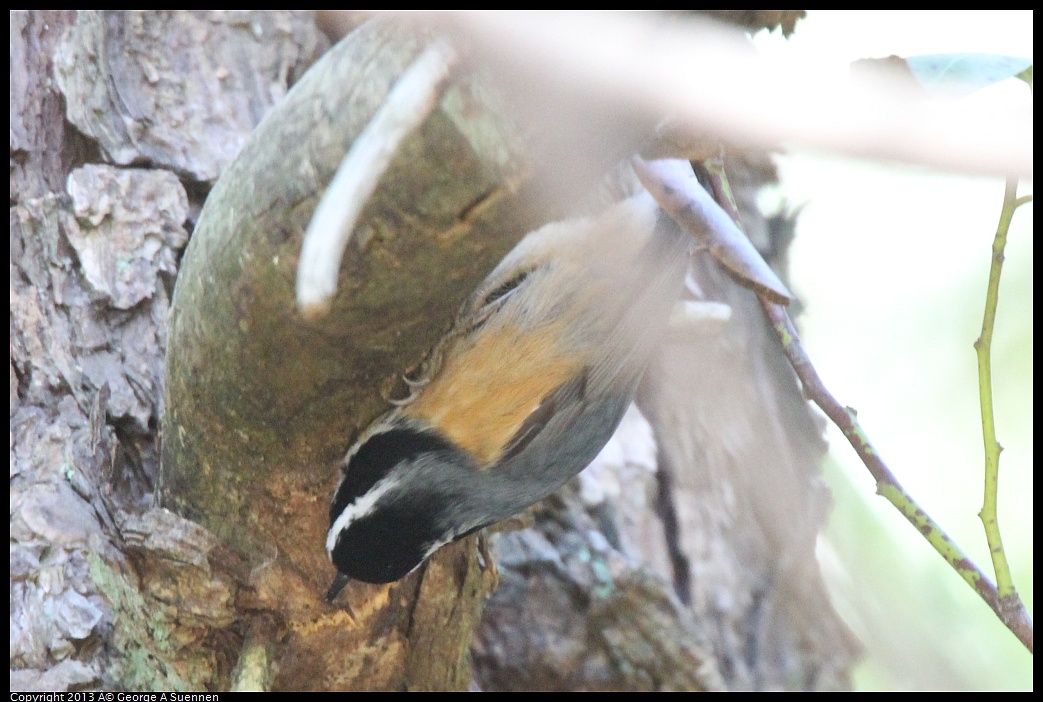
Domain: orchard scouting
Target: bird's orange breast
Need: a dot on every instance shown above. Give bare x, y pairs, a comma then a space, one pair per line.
489, 384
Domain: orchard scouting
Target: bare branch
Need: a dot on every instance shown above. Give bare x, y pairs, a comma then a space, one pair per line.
1013, 614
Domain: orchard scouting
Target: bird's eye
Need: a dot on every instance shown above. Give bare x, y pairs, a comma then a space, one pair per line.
377, 457
505, 288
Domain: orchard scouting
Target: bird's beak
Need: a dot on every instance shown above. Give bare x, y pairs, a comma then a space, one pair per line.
336, 586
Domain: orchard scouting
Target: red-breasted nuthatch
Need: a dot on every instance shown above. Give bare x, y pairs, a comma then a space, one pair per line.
530, 384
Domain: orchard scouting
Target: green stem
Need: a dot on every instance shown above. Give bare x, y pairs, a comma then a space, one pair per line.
983, 347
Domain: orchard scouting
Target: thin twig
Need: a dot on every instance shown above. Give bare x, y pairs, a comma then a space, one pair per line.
1013, 616
983, 348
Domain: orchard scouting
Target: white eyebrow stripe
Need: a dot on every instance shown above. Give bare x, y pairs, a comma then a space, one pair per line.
359, 508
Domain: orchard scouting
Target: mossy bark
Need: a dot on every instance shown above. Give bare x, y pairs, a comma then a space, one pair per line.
261, 404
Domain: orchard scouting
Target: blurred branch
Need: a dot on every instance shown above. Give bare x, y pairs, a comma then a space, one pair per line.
689, 69
983, 348
407, 105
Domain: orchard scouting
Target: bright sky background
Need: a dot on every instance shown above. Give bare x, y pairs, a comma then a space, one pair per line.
892, 263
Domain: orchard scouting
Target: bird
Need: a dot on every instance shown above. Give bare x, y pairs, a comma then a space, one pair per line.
529, 384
